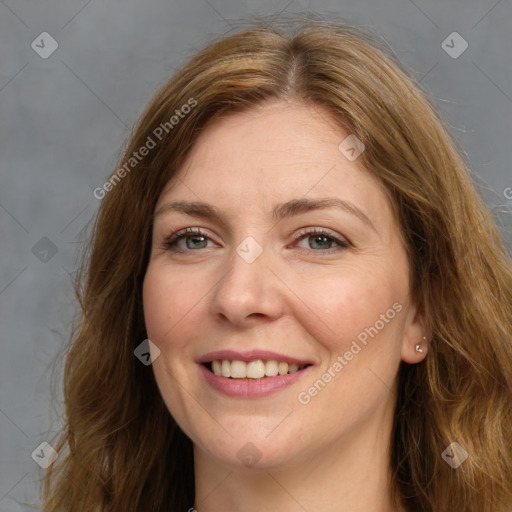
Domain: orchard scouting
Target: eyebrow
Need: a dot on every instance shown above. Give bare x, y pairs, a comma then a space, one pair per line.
280, 211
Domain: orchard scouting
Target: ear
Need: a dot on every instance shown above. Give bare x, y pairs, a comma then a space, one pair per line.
414, 336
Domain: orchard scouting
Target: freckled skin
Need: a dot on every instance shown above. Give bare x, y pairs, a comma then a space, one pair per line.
296, 298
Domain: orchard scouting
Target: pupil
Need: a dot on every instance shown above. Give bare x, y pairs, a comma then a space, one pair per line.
195, 239
321, 238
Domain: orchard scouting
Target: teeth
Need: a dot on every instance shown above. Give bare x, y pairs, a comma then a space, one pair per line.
226, 369
238, 369
271, 368
254, 369
217, 367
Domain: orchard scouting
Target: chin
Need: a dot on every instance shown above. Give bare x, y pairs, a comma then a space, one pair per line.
239, 452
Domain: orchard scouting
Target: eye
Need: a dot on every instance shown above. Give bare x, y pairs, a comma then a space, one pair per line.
194, 238
321, 240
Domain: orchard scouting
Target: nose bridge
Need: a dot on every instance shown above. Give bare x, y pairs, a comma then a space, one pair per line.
248, 286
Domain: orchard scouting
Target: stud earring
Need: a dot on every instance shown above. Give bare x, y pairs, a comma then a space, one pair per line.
418, 346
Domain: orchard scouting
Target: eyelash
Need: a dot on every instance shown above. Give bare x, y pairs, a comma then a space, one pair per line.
170, 242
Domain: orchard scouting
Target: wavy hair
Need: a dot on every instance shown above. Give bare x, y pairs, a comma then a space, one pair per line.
120, 448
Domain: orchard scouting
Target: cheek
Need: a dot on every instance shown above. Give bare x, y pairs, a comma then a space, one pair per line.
165, 304
166, 298
346, 304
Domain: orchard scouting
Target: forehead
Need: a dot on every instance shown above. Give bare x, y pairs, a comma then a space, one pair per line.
251, 160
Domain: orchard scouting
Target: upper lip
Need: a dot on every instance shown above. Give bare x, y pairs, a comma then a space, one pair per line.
250, 355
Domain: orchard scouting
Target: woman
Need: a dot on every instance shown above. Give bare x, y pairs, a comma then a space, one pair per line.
293, 298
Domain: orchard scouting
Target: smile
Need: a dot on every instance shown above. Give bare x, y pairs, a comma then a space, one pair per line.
250, 374
257, 369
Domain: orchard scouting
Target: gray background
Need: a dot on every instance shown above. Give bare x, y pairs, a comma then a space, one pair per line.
64, 119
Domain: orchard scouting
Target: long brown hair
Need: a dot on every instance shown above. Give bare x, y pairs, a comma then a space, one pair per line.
120, 449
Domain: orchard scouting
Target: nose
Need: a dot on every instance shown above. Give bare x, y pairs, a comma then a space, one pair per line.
248, 291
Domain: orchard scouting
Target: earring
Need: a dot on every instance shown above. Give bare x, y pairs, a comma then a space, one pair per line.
418, 346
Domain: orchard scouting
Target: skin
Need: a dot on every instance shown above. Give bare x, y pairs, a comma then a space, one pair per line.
301, 297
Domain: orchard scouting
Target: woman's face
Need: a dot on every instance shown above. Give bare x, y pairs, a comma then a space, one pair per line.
257, 288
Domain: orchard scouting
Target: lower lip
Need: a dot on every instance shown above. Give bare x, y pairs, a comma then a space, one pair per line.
251, 388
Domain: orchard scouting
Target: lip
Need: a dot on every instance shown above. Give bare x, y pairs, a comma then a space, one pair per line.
250, 388
250, 355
